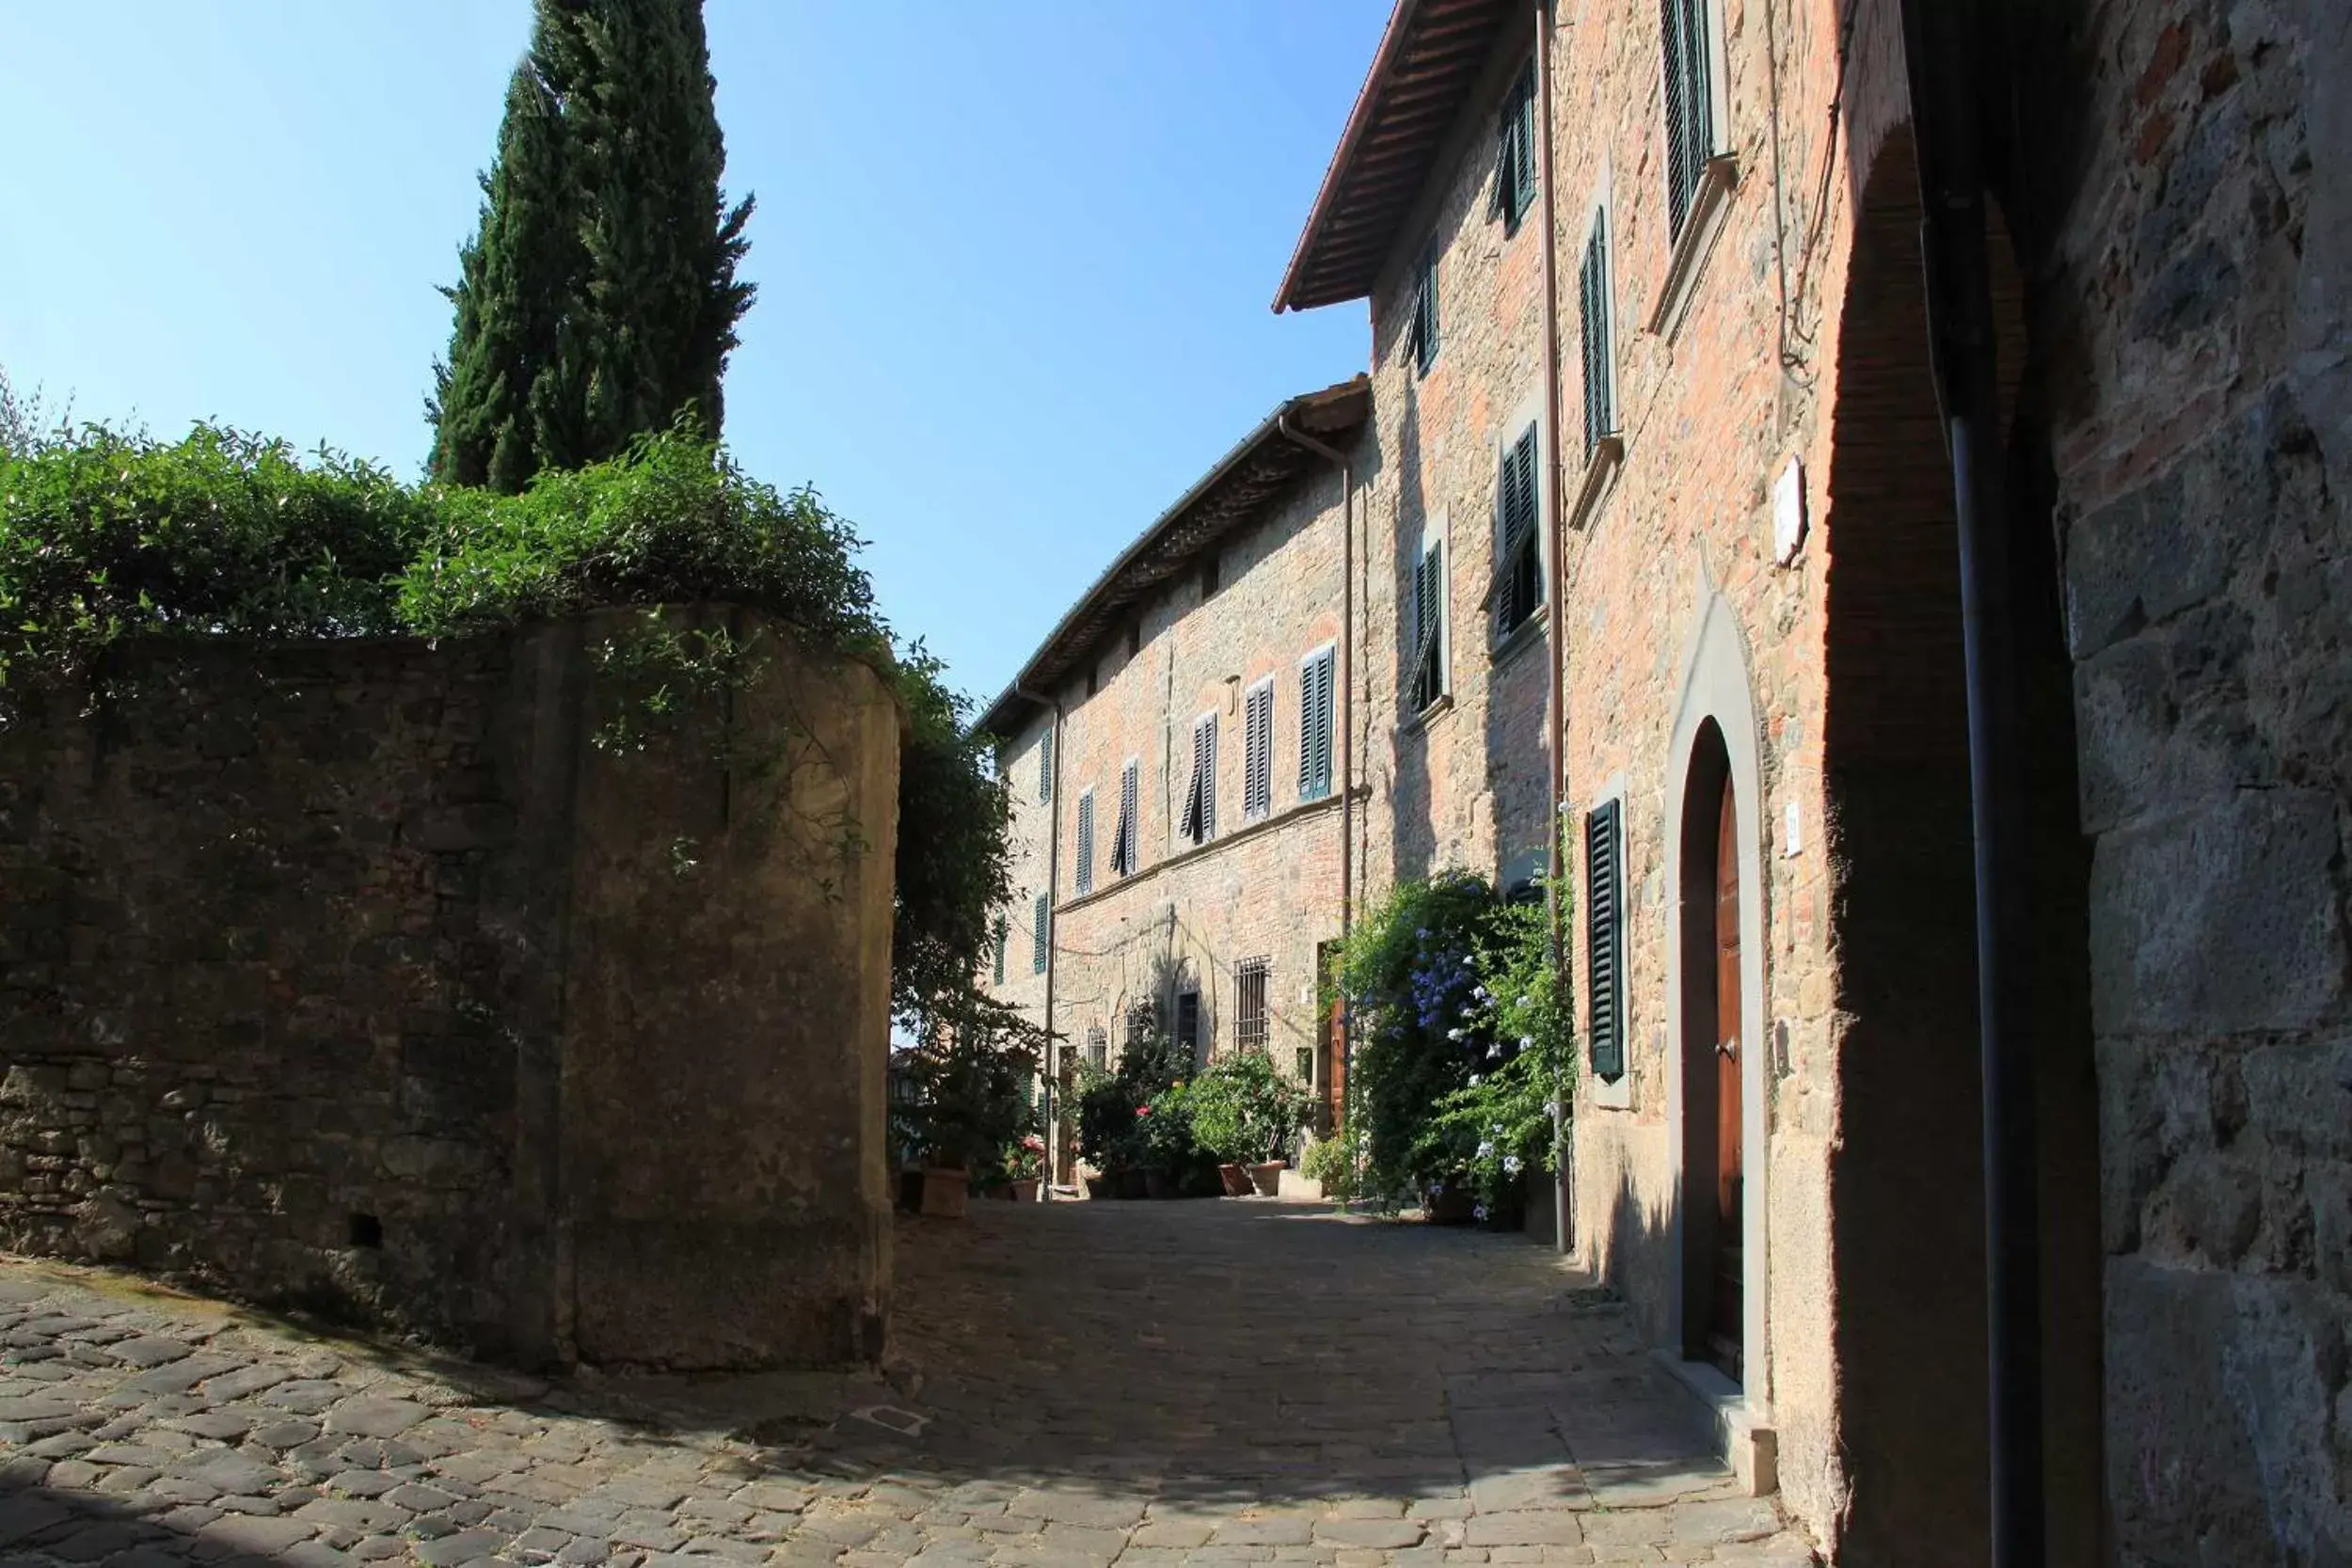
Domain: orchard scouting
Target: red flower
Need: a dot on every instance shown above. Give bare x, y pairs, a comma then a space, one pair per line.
1143, 1110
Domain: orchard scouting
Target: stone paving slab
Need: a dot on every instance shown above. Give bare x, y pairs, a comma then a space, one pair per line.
1102, 1386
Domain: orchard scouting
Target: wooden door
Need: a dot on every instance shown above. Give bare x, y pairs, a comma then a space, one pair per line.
1334, 1038
1724, 1326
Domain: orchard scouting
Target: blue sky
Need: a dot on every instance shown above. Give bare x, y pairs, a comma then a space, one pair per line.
1014, 257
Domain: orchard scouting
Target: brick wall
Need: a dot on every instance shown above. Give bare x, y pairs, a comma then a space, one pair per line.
357, 977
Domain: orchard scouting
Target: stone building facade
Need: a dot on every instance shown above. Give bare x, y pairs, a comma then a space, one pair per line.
1172, 749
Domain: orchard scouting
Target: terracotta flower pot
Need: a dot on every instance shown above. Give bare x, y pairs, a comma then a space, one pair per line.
1449, 1206
1102, 1185
945, 1193
1000, 1192
1267, 1177
1158, 1184
1236, 1180
1132, 1184
1023, 1189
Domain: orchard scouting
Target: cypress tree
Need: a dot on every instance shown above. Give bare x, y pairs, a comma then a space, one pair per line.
661, 300
600, 299
516, 281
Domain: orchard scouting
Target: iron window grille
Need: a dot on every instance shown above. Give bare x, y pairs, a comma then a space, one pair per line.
1519, 547
1257, 751
1199, 824
1604, 940
1428, 665
1514, 151
1424, 318
1314, 724
1086, 843
1038, 937
1250, 1014
1689, 104
1594, 316
1098, 1047
1142, 1017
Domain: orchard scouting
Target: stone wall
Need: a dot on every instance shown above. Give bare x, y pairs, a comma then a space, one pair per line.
1189, 913
2198, 242
357, 977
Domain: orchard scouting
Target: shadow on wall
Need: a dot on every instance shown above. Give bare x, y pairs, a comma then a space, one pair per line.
1411, 792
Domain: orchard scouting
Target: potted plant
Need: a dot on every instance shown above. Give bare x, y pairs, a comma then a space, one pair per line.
1025, 1165
1246, 1113
967, 1102
1168, 1147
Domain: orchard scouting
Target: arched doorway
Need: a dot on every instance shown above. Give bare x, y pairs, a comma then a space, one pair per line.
1713, 1052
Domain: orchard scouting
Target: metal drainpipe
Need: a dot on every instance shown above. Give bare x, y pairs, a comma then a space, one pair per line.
1053, 935
1555, 612
1948, 130
1347, 698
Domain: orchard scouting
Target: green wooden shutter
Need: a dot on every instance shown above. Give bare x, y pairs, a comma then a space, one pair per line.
1429, 627
1682, 24
1003, 934
1206, 747
1045, 768
1126, 864
1038, 937
1604, 940
1593, 315
1086, 843
1323, 724
1518, 567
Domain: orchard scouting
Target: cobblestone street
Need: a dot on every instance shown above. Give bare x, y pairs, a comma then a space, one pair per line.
1072, 1384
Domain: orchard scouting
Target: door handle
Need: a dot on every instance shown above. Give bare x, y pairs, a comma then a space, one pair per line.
1729, 1047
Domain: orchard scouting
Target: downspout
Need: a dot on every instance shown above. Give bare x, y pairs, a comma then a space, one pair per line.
1053, 937
1347, 698
1949, 132
1555, 612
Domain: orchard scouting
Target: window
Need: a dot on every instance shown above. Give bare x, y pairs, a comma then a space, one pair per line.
1424, 322
1689, 104
1037, 938
1098, 1047
1208, 578
1086, 843
1142, 1017
1004, 931
1518, 543
1045, 766
1188, 1022
1314, 725
1604, 940
1256, 750
1124, 836
1594, 310
1199, 824
1514, 151
1249, 1024
1303, 1066
1427, 669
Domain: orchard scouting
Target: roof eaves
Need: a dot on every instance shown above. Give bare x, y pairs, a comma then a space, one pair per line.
1001, 715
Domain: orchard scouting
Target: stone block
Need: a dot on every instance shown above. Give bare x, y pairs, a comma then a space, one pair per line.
2220, 919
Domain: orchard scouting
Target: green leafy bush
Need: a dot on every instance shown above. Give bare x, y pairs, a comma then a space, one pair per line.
970, 1107
1332, 1163
1245, 1111
1463, 1027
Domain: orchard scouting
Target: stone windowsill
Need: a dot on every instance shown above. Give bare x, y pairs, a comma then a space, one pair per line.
1529, 633
1601, 470
1430, 715
1699, 229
